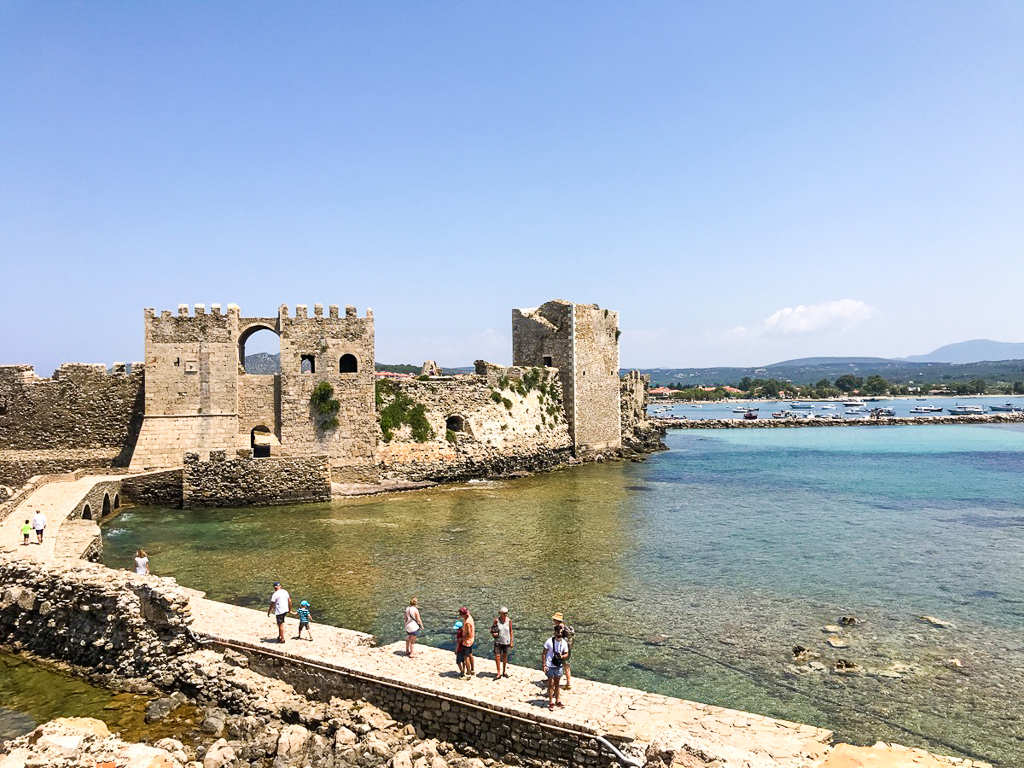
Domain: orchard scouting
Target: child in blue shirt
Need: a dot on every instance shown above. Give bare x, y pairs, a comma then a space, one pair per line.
304, 618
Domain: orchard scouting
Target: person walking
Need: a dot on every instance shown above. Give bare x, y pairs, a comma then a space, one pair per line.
501, 631
552, 659
305, 619
413, 625
141, 562
26, 530
281, 605
39, 524
568, 634
466, 638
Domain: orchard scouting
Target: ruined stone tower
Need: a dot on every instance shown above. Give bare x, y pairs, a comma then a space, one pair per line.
582, 341
199, 397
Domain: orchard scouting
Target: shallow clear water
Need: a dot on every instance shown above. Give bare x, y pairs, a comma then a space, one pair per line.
31, 694
735, 546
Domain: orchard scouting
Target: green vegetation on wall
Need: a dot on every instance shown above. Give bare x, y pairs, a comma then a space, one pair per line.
396, 409
325, 406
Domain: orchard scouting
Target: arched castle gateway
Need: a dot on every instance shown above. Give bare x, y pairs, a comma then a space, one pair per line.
199, 398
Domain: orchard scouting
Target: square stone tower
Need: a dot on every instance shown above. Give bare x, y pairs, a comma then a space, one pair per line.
582, 341
200, 398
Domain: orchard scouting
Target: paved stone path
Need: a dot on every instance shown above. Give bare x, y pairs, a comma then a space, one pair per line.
56, 501
735, 739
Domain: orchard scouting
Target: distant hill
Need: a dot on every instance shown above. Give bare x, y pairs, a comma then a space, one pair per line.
971, 352
801, 372
263, 362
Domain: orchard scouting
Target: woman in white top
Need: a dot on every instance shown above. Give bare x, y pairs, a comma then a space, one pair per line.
141, 562
551, 658
413, 625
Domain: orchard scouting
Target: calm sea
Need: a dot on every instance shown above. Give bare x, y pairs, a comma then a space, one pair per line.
693, 574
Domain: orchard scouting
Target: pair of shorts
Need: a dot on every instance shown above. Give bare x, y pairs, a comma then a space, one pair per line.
280, 618
303, 624
500, 649
462, 653
554, 671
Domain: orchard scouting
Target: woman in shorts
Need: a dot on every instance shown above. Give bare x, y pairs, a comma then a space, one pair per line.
551, 659
413, 625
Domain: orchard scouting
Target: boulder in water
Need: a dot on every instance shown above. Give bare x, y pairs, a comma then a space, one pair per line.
850, 621
937, 622
835, 641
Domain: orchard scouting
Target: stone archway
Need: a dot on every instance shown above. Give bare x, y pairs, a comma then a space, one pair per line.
87, 512
107, 506
261, 438
262, 343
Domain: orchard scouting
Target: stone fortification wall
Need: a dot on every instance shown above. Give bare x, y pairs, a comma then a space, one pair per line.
596, 377
258, 398
582, 342
500, 421
245, 481
17, 467
341, 351
638, 432
153, 489
92, 616
191, 384
82, 416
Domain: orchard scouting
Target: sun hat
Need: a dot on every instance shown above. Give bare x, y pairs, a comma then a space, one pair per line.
503, 609
557, 617
304, 602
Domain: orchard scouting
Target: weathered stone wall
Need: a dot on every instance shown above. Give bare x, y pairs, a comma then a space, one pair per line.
259, 398
191, 384
494, 734
153, 489
543, 336
334, 344
92, 616
16, 467
582, 341
596, 378
245, 481
638, 432
490, 437
81, 408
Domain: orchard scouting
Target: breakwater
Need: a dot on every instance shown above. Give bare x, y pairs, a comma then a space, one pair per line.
828, 421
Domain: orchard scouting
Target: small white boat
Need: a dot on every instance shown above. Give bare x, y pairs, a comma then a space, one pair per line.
828, 407
852, 403
926, 409
880, 412
802, 406
966, 410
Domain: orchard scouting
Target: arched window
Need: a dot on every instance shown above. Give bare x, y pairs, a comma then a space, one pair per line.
348, 364
106, 504
455, 423
308, 364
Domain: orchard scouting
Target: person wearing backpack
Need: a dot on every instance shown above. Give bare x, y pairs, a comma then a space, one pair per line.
552, 659
501, 631
569, 634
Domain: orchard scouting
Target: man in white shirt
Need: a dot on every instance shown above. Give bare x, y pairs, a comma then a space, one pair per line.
281, 605
39, 524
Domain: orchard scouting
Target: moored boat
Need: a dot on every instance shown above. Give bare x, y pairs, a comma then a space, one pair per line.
966, 410
1008, 408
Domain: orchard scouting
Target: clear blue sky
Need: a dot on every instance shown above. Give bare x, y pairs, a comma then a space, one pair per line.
744, 182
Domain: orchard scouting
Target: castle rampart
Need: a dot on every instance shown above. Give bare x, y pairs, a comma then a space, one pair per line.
582, 342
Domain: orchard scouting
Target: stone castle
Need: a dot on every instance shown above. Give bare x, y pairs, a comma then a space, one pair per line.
192, 405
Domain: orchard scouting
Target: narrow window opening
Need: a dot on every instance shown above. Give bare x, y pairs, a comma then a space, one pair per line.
348, 364
548, 362
260, 440
308, 364
455, 424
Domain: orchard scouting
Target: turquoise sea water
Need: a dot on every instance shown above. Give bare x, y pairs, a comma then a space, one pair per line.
693, 573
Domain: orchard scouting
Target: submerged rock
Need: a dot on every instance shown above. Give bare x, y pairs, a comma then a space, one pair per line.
937, 622
836, 642
850, 621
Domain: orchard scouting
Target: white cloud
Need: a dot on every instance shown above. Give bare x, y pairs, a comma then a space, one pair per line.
803, 320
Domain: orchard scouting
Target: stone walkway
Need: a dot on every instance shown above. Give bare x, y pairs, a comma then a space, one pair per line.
734, 739
56, 501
